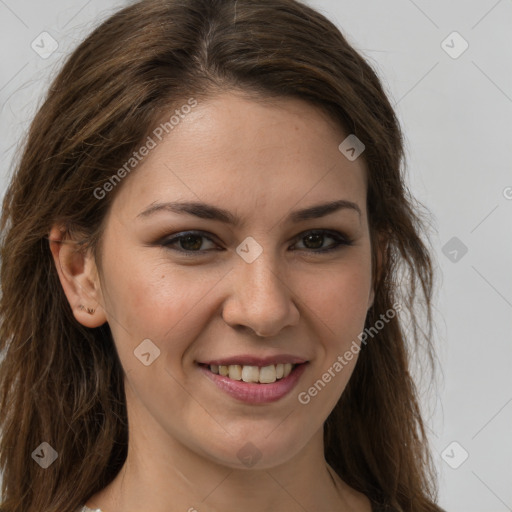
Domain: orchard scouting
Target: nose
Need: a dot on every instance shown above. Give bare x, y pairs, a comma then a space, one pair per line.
261, 298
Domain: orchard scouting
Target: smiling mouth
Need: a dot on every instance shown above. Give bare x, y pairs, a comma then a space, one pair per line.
255, 374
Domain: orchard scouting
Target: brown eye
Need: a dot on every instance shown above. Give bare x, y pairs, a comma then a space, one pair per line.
190, 242
314, 240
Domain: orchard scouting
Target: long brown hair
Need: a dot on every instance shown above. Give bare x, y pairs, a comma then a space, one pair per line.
62, 383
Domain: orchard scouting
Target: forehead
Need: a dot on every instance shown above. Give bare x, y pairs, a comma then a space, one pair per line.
238, 150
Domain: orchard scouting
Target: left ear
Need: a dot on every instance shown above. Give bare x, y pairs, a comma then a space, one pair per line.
79, 278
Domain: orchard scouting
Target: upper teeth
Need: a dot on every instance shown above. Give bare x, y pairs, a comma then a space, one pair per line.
263, 375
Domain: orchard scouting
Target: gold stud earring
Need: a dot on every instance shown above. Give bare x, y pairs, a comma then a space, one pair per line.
89, 310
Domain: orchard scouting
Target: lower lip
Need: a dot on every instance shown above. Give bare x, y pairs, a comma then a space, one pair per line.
253, 393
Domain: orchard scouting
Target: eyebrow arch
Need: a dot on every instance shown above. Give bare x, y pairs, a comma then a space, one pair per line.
206, 211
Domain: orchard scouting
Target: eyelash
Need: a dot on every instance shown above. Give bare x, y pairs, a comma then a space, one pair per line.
340, 241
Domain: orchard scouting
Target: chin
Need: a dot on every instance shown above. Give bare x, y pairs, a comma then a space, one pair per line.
255, 451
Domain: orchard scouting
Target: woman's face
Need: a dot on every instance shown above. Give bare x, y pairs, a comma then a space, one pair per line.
254, 289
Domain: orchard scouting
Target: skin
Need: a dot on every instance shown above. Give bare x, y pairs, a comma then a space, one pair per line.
261, 161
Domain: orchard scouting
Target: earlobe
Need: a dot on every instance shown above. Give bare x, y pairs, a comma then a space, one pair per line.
79, 278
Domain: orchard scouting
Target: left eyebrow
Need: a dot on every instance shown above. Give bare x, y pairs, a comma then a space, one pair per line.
207, 211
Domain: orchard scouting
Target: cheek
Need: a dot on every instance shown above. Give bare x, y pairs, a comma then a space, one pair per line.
144, 291
152, 298
340, 298
340, 304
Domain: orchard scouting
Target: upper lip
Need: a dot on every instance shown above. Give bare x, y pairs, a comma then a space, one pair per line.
250, 360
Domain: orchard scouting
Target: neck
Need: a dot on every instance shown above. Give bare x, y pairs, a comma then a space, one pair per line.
161, 472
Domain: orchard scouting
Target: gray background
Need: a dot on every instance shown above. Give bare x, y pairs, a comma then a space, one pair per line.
456, 115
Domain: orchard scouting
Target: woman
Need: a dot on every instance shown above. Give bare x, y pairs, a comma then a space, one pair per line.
202, 248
